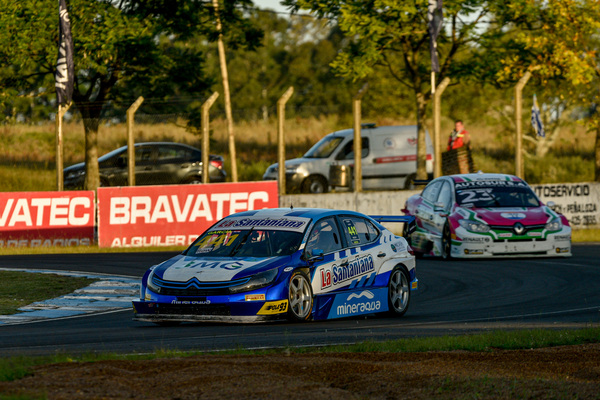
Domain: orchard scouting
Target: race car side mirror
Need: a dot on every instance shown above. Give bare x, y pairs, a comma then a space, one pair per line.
316, 255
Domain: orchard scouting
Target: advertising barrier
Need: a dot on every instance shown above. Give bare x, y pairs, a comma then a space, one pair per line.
579, 202
143, 216
35, 219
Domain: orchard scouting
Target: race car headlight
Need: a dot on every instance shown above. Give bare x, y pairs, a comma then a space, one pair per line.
554, 225
151, 285
256, 282
474, 226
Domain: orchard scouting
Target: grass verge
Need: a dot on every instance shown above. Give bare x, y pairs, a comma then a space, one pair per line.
14, 368
18, 289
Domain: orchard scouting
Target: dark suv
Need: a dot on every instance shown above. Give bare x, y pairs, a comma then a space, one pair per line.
156, 163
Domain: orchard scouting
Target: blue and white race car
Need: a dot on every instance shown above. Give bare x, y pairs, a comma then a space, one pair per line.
295, 264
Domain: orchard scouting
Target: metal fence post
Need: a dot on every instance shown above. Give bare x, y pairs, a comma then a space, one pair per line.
131, 141
437, 111
206, 135
519, 170
281, 138
356, 114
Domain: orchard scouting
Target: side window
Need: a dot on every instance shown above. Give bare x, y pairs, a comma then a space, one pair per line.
430, 192
347, 153
169, 154
324, 236
143, 155
445, 196
359, 231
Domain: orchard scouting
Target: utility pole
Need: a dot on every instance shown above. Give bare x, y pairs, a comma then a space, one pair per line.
225, 77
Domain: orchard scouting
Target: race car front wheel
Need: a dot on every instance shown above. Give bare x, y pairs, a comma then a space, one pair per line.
398, 292
300, 297
446, 242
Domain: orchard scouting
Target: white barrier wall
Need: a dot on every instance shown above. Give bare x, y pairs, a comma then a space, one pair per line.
579, 202
383, 203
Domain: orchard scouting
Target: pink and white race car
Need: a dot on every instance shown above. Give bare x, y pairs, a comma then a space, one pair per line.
485, 215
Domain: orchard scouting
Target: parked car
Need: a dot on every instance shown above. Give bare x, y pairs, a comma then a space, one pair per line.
298, 264
389, 155
156, 163
485, 215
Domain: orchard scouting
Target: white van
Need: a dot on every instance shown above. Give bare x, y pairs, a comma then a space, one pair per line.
389, 159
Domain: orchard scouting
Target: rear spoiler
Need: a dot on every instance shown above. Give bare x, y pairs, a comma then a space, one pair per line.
407, 219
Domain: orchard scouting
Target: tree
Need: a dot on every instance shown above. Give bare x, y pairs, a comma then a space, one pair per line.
394, 34
560, 39
123, 49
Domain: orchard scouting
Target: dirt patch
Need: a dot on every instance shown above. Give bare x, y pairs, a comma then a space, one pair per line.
567, 372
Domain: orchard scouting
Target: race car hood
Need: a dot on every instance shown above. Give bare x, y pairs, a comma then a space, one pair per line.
509, 216
182, 268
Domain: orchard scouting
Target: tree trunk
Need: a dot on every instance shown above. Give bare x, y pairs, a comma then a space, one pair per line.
91, 122
421, 141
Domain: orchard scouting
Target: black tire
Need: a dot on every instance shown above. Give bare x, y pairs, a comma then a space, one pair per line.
398, 292
300, 297
193, 180
446, 242
315, 184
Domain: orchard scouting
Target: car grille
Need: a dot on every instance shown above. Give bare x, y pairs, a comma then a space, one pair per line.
511, 229
192, 309
194, 287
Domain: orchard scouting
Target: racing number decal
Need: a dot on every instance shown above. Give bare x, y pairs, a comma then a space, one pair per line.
274, 307
352, 232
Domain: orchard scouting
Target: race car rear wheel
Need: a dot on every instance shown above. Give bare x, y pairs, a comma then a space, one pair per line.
398, 292
300, 297
446, 242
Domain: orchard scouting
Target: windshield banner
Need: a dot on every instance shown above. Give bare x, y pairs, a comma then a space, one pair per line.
46, 219
174, 215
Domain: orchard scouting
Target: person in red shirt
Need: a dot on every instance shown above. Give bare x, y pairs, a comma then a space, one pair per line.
459, 136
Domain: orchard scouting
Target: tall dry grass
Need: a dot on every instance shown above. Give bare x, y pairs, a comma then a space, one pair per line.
29, 150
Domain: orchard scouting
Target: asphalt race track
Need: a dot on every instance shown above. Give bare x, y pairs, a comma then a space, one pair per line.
454, 297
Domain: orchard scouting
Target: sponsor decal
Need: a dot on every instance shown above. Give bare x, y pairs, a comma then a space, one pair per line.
37, 219
563, 249
562, 237
288, 269
143, 216
212, 265
505, 235
534, 234
488, 183
273, 307
293, 224
475, 239
191, 302
364, 302
255, 297
513, 216
414, 285
338, 274
469, 251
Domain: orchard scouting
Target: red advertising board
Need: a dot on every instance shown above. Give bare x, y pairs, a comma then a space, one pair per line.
144, 216
34, 219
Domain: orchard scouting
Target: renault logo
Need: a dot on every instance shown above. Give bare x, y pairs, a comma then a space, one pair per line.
519, 228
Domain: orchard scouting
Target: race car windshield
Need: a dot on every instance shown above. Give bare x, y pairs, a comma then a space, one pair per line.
324, 147
497, 197
245, 243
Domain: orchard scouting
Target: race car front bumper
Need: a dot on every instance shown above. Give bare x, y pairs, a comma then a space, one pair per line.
467, 244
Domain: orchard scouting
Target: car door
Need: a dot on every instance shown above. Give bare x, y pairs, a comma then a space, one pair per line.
171, 166
325, 239
441, 208
425, 212
145, 158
